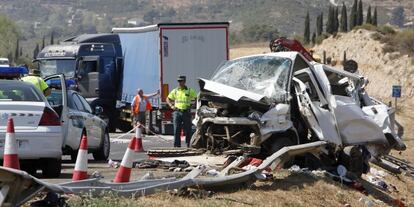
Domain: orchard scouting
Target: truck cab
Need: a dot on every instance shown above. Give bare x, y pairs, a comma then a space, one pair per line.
94, 63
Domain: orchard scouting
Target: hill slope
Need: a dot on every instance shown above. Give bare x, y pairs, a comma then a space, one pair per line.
382, 69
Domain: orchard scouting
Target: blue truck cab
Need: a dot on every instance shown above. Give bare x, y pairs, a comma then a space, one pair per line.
94, 63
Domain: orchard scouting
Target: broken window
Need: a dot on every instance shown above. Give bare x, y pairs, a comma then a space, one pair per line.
265, 75
310, 87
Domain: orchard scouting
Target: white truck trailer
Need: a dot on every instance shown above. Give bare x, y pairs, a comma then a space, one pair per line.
154, 56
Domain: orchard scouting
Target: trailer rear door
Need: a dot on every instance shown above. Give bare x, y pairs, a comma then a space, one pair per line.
193, 50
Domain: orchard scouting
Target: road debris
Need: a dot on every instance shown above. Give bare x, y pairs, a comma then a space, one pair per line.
15, 193
113, 164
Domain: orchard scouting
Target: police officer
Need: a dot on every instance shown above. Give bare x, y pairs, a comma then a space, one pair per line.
35, 79
180, 100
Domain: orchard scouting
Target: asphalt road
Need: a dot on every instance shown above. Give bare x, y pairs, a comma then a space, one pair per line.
118, 147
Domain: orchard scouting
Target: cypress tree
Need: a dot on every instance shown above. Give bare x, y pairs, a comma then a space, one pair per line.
43, 42
369, 18
10, 57
336, 21
16, 53
306, 33
330, 22
374, 18
313, 38
52, 40
36, 51
360, 14
353, 15
319, 27
321, 23
344, 19
21, 52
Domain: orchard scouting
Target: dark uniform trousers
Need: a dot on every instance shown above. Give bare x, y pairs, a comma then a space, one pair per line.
182, 120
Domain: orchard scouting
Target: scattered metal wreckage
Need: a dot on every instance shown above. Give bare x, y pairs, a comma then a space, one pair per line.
261, 103
18, 187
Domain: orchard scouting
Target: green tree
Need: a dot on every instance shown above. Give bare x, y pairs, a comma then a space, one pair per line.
52, 38
16, 53
369, 17
306, 33
330, 23
36, 51
43, 43
313, 39
335, 19
374, 18
319, 24
9, 33
360, 14
344, 19
353, 16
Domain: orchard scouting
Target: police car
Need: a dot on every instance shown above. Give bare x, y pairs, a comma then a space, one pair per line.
37, 126
48, 127
77, 119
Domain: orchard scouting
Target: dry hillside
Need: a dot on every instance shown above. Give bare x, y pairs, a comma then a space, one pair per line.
382, 69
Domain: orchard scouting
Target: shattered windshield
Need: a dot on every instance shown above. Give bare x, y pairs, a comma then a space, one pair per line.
265, 75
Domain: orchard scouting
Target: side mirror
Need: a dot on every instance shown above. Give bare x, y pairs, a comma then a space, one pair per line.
98, 110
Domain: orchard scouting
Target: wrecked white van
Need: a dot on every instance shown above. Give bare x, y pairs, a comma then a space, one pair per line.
261, 103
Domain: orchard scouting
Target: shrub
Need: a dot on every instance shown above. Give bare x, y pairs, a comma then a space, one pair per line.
321, 37
369, 27
385, 29
404, 40
377, 36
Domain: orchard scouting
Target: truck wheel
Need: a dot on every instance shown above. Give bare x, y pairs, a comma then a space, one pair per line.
51, 168
124, 126
102, 153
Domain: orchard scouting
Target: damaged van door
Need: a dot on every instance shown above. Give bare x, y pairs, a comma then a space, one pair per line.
315, 108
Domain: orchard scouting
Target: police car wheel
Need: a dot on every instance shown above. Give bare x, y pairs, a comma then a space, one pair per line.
102, 153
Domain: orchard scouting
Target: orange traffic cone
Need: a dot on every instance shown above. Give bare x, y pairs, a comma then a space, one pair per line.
124, 172
138, 134
10, 157
182, 135
81, 167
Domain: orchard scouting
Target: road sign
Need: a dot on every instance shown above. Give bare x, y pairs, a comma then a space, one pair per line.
396, 91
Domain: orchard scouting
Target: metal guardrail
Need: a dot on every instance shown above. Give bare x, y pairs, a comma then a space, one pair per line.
17, 187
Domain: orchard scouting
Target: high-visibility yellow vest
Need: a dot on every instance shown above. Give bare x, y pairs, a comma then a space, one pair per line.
37, 81
182, 97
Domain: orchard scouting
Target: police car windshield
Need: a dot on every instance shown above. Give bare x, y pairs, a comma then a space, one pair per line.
52, 67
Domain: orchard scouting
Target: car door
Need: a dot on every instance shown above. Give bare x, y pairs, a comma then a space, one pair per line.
98, 124
315, 106
59, 100
88, 121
